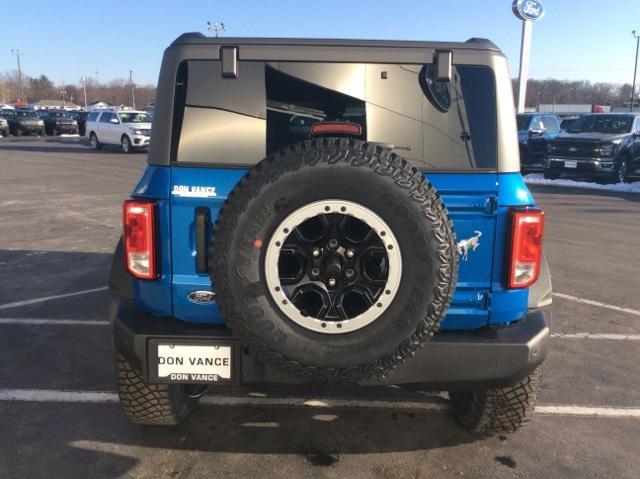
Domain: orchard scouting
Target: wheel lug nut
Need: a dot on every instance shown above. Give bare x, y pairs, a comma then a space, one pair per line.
333, 243
350, 253
349, 273
316, 252
315, 271
332, 282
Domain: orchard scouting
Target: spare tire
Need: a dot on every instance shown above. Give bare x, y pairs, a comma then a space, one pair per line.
334, 260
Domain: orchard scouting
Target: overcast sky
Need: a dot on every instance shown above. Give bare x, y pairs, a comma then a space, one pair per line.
588, 39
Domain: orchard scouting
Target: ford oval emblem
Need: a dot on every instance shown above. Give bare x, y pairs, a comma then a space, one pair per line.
202, 297
531, 10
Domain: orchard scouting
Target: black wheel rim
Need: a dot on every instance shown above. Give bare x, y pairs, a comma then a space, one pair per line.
334, 270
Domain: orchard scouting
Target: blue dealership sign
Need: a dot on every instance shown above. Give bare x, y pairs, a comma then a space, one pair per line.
528, 10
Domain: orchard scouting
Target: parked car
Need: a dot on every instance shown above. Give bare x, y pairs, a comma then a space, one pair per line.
130, 129
25, 122
603, 146
4, 126
334, 259
58, 122
534, 131
80, 117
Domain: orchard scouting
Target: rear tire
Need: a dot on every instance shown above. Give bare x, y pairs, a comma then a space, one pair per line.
151, 404
18, 132
95, 144
501, 410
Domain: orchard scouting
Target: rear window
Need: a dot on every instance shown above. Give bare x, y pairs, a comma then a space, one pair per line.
238, 121
93, 116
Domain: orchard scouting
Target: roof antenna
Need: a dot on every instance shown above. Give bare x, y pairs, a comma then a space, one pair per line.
216, 28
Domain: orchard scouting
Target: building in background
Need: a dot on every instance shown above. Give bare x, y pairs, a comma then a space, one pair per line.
98, 105
571, 109
55, 105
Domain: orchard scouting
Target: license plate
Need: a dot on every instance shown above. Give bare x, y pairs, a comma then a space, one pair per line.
570, 164
194, 363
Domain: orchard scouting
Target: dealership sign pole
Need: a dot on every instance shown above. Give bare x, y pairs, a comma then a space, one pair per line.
528, 11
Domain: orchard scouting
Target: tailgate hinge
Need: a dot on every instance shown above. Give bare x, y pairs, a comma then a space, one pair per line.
487, 300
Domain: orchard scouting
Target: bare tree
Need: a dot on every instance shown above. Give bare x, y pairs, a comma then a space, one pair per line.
575, 92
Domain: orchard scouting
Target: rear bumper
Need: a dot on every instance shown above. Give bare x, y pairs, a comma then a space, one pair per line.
453, 360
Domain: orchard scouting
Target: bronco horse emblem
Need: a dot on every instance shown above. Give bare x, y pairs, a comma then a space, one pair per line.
469, 244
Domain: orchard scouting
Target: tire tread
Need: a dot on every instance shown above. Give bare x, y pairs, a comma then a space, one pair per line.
150, 404
500, 410
357, 153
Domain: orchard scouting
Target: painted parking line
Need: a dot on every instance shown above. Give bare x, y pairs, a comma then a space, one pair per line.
604, 336
42, 299
574, 410
591, 302
435, 403
45, 395
57, 322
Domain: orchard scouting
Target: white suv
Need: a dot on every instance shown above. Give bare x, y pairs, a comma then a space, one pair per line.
131, 129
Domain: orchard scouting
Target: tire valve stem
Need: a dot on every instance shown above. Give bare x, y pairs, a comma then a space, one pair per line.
315, 271
333, 243
316, 252
349, 273
332, 282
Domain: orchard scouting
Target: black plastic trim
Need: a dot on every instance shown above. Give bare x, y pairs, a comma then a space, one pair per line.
120, 280
454, 360
196, 38
202, 221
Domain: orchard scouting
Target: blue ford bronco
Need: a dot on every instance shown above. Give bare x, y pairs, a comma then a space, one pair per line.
332, 212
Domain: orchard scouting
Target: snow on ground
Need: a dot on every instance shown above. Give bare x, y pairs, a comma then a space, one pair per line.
538, 179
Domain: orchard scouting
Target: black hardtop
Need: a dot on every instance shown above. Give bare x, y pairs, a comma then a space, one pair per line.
196, 38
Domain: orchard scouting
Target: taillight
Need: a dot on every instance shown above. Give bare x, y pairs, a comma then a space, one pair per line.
336, 128
527, 228
139, 239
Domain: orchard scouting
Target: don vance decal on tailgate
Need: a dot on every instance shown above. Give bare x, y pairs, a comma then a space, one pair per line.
194, 191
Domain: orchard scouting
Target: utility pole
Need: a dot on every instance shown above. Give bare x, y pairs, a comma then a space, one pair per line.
216, 28
18, 54
133, 93
84, 89
635, 69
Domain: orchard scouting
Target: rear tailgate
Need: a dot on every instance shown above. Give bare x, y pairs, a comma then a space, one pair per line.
471, 199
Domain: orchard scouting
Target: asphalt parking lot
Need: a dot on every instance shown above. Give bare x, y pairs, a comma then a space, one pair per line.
60, 220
